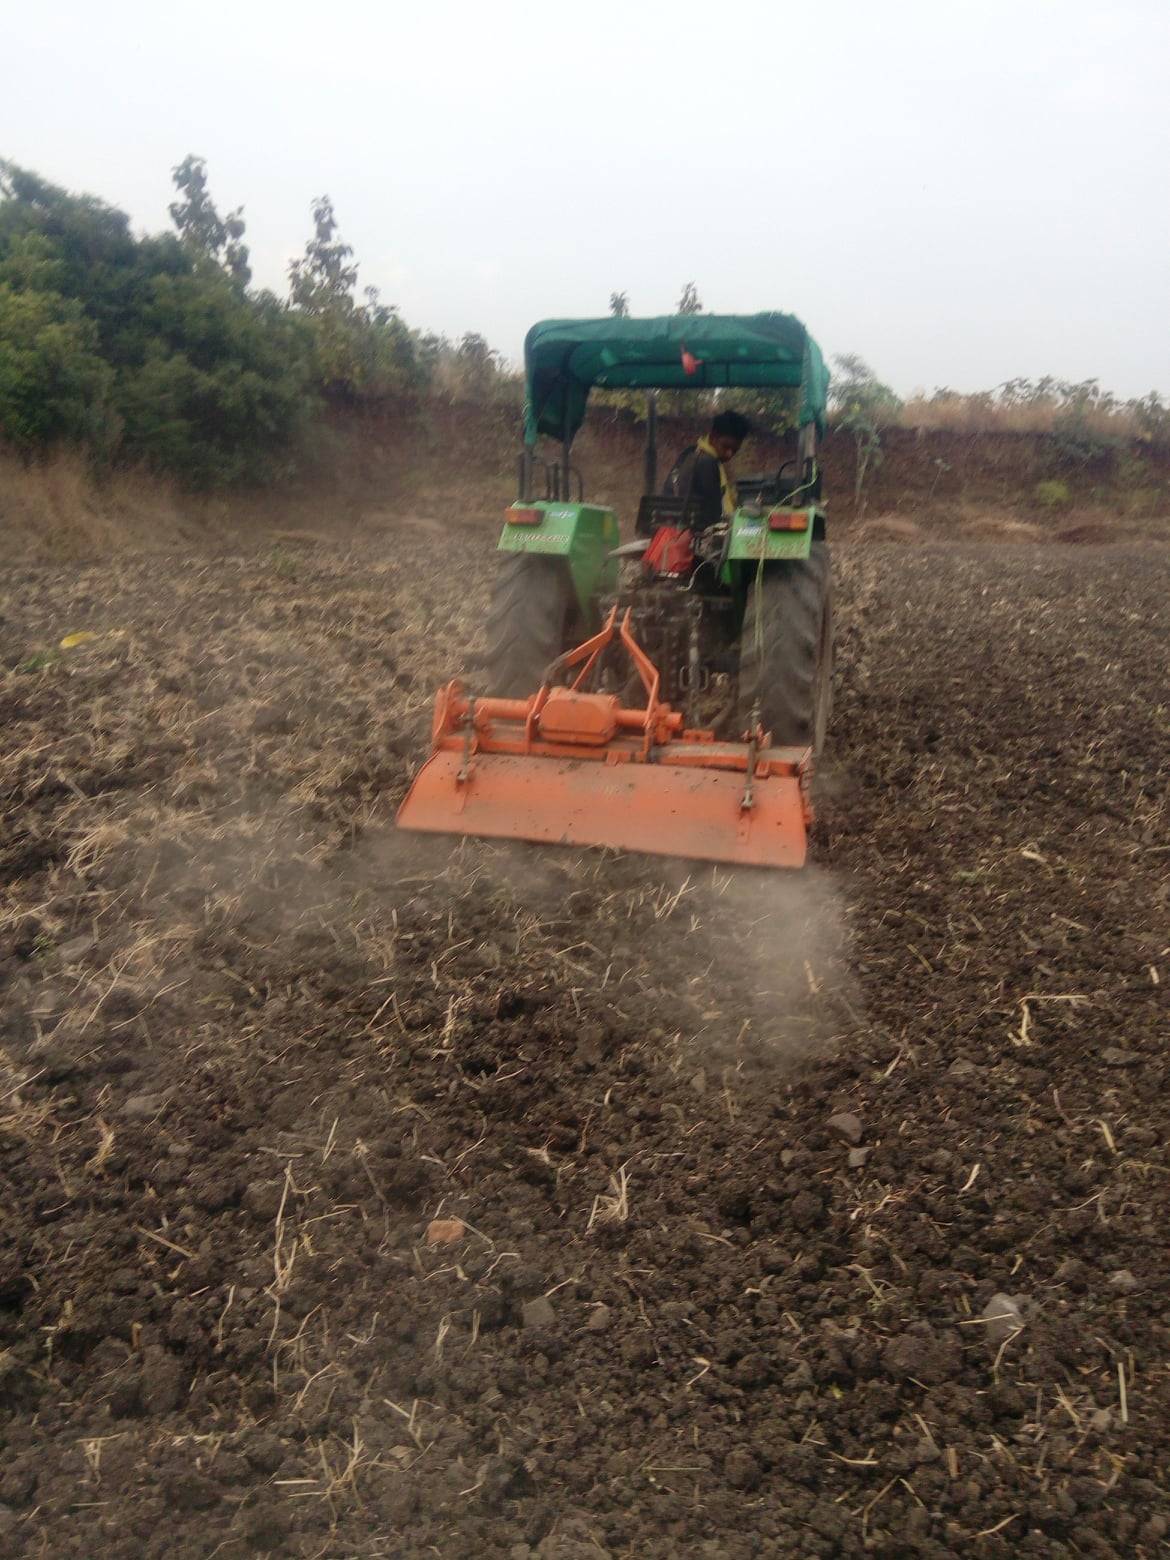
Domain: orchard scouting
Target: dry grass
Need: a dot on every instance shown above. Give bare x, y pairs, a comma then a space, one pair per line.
888, 528
966, 414
56, 507
439, 465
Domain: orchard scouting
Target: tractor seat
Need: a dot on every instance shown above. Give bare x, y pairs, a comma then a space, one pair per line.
777, 489
655, 509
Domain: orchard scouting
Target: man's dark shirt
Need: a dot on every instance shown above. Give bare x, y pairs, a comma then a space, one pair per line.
695, 475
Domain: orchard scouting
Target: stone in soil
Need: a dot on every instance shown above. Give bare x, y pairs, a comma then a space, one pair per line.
1003, 1317
445, 1232
846, 1126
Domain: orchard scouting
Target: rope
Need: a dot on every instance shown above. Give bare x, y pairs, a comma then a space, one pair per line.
758, 603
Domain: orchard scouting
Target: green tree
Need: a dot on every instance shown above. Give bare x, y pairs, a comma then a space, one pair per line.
619, 305
360, 349
479, 364
54, 387
1151, 415
324, 279
223, 387
200, 226
139, 349
863, 407
689, 301
430, 350
771, 410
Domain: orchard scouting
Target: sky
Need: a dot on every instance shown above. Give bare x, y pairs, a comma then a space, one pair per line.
959, 191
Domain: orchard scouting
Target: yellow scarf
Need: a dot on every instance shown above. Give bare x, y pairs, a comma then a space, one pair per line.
726, 480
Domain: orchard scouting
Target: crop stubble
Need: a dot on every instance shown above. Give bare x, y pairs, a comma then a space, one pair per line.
254, 1043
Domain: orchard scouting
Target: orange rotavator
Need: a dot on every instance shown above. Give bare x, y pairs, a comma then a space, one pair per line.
695, 735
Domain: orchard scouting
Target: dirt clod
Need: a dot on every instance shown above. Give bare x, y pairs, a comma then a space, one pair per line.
806, 1210
76, 948
741, 1470
1118, 1056
923, 1354
846, 1126
538, 1312
141, 1107
162, 1381
963, 1067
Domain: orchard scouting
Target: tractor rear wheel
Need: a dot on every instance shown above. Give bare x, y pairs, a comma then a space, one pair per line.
528, 622
786, 650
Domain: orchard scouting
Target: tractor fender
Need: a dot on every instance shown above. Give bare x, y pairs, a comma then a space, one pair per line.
753, 535
584, 535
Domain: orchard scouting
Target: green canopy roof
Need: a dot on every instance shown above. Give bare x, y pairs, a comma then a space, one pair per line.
564, 359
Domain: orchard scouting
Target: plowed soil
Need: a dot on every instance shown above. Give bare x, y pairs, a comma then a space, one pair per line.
740, 1160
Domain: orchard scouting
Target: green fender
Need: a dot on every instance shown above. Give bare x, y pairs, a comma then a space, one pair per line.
752, 537
583, 534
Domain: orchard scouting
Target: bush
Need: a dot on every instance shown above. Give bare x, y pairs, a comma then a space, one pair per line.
54, 386
138, 350
1052, 494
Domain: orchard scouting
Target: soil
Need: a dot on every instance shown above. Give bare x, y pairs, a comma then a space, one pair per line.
743, 1166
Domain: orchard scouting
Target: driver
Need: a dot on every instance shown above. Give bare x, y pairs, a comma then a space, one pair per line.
701, 471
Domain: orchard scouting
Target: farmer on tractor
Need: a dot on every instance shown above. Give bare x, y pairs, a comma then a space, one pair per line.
701, 470
701, 479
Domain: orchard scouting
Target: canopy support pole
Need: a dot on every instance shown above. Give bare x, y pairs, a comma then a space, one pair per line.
650, 477
566, 457
806, 451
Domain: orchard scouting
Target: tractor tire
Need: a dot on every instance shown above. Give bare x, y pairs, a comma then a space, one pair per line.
528, 622
786, 651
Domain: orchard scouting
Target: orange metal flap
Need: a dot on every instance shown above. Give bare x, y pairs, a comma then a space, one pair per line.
660, 809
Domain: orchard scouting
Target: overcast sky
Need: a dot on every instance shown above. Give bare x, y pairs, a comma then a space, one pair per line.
959, 190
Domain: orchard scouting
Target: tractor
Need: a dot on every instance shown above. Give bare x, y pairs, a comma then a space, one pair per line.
724, 633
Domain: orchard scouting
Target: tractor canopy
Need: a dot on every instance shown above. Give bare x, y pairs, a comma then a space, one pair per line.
564, 359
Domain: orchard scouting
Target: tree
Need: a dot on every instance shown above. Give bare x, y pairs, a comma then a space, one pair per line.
139, 349
323, 280
53, 384
479, 363
360, 349
863, 406
619, 305
200, 226
689, 301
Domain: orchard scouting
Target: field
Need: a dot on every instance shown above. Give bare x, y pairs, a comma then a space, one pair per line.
742, 1161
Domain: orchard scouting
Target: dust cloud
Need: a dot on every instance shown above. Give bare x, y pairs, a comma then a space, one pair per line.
719, 967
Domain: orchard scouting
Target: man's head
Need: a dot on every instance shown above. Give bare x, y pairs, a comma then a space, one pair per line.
728, 431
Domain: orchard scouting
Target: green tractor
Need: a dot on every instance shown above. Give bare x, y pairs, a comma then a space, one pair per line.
741, 632
668, 695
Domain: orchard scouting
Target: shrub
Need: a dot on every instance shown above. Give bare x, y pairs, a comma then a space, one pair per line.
139, 349
54, 385
1052, 494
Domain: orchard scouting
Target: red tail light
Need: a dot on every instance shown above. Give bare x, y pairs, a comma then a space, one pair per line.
788, 520
523, 516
